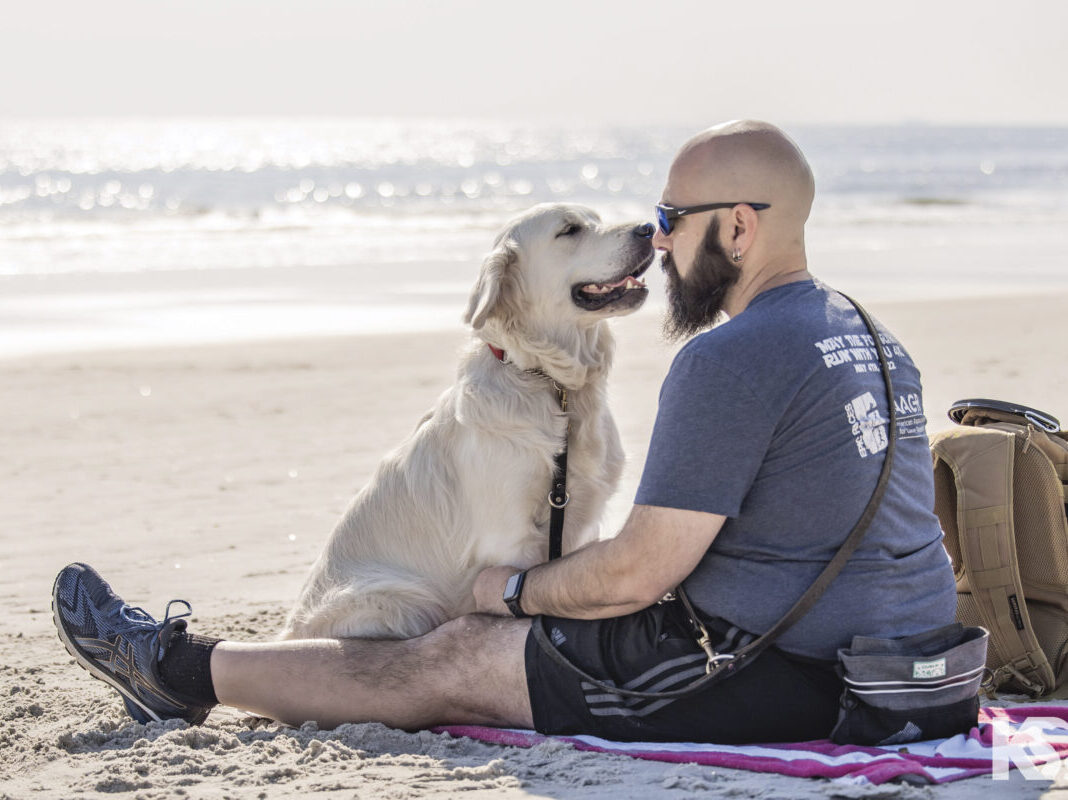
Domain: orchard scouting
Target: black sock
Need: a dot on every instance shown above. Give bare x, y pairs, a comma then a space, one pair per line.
186, 667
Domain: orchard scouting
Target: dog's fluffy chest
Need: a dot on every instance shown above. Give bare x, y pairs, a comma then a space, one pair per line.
516, 473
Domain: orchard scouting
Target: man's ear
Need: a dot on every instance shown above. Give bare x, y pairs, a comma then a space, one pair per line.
491, 280
745, 220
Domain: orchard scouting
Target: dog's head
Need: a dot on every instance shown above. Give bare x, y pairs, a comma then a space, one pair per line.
558, 266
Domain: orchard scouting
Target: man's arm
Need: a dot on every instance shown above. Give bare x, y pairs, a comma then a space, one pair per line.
657, 548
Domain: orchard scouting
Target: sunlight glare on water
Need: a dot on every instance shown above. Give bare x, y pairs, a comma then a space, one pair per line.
290, 225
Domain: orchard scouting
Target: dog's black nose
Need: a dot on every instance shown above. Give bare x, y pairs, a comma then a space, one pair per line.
645, 231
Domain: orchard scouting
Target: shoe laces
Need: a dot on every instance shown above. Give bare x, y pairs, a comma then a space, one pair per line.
167, 613
165, 629
170, 625
136, 614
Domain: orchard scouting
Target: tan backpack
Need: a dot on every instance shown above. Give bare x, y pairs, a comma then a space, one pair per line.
1000, 495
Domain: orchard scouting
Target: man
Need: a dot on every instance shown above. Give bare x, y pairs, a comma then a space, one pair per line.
767, 446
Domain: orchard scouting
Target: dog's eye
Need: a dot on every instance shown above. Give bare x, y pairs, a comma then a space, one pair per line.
569, 230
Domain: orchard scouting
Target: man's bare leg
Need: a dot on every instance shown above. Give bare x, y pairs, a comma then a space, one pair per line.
468, 671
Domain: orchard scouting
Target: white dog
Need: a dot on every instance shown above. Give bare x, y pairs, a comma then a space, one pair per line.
469, 488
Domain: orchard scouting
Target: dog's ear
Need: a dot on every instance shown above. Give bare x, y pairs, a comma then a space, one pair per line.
491, 284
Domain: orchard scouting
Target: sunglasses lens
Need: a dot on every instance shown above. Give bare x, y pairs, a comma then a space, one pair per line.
663, 221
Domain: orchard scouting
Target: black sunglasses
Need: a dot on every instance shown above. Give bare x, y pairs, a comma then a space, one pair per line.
666, 215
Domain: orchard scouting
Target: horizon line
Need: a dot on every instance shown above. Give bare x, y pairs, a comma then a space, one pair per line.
538, 121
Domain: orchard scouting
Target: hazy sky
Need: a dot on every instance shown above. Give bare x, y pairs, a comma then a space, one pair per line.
972, 61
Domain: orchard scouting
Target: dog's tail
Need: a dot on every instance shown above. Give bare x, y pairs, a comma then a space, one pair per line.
380, 601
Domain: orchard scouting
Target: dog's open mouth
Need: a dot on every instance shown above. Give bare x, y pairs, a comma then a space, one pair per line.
629, 288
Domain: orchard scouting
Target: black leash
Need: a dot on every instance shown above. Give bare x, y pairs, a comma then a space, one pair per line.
722, 665
558, 496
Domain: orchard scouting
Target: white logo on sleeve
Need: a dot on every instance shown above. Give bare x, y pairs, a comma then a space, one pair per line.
867, 424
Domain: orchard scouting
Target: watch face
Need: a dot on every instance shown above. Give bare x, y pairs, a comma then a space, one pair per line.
511, 589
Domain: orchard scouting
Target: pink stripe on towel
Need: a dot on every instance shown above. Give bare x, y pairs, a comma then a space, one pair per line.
936, 761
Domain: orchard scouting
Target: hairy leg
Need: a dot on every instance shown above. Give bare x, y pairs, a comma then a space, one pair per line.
468, 671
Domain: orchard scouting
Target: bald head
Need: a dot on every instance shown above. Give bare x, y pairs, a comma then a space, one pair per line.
741, 163
744, 161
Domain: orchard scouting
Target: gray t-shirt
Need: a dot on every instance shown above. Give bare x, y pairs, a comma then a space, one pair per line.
777, 419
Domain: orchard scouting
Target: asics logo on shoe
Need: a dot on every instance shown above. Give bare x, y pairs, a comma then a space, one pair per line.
118, 656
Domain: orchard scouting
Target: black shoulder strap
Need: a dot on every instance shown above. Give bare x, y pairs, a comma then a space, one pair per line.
849, 546
729, 666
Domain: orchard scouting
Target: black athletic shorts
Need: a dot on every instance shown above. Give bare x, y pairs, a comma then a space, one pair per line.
778, 697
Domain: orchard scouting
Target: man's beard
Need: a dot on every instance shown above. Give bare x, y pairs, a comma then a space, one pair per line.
695, 301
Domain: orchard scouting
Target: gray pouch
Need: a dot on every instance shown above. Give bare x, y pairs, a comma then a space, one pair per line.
918, 687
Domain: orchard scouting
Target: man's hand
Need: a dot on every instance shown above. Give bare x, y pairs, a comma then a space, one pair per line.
489, 590
657, 548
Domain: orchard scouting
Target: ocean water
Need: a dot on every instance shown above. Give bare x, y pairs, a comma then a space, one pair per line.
116, 232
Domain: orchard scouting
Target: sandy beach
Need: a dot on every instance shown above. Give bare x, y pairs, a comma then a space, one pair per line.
214, 473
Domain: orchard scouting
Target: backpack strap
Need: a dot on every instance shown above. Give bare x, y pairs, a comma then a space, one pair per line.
981, 460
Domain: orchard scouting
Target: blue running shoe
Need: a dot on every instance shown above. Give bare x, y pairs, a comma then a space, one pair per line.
120, 645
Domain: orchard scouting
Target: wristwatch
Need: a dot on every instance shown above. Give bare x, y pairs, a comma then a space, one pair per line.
512, 592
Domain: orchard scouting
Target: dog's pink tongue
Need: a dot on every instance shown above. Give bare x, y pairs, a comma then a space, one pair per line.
629, 282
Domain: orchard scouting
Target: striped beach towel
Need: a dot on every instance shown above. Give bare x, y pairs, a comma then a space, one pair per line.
1030, 738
